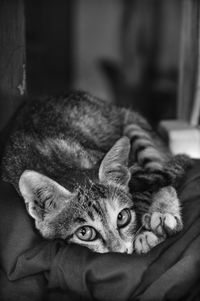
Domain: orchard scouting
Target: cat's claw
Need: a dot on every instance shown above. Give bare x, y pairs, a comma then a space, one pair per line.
145, 241
162, 223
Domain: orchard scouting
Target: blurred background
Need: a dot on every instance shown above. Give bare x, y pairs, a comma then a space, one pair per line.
124, 51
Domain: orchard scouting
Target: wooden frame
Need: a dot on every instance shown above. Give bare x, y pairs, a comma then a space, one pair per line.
12, 57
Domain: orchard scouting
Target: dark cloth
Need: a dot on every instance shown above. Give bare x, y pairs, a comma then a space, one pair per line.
32, 268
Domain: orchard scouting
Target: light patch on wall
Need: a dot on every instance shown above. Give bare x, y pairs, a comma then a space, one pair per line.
22, 86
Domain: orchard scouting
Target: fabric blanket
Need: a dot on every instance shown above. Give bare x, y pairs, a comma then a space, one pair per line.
32, 268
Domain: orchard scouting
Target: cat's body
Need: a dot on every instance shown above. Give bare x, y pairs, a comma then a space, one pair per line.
76, 184
72, 132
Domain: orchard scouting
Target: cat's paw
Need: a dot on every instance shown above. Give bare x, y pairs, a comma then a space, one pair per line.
163, 223
145, 241
164, 216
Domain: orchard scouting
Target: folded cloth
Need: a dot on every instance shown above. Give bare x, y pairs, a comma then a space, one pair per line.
32, 268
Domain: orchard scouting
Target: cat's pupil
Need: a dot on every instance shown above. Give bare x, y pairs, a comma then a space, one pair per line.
83, 231
120, 216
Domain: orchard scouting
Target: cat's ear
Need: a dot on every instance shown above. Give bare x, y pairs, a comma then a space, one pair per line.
43, 196
114, 167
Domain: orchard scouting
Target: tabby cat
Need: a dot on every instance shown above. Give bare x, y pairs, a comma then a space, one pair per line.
85, 168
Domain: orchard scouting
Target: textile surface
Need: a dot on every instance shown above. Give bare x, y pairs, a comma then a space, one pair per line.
32, 268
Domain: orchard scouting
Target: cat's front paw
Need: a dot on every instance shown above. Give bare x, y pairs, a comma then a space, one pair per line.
164, 216
163, 223
145, 241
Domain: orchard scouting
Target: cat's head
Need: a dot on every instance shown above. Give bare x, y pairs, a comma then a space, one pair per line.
99, 215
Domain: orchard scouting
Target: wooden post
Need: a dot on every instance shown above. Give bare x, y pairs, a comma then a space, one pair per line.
12, 57
188, 99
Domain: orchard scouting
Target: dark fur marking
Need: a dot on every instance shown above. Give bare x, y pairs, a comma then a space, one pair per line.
146, 160
140, 148
90, 214
97, 208
134, 138
79, 220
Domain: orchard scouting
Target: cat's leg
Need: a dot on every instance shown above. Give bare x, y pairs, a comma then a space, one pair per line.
148, 156
153, 166
163, 219
146, 148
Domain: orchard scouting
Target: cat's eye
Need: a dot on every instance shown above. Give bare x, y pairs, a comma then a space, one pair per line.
123, 218
86, 233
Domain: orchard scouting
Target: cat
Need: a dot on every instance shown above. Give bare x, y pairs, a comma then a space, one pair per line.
85, 168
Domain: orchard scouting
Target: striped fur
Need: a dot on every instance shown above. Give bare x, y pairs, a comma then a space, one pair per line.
78, 161
144, 150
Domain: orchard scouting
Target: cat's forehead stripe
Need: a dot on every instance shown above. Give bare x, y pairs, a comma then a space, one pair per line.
79, 220
91, 215
96, 206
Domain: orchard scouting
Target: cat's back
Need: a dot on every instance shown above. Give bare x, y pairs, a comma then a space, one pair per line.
53, 133
76, 111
